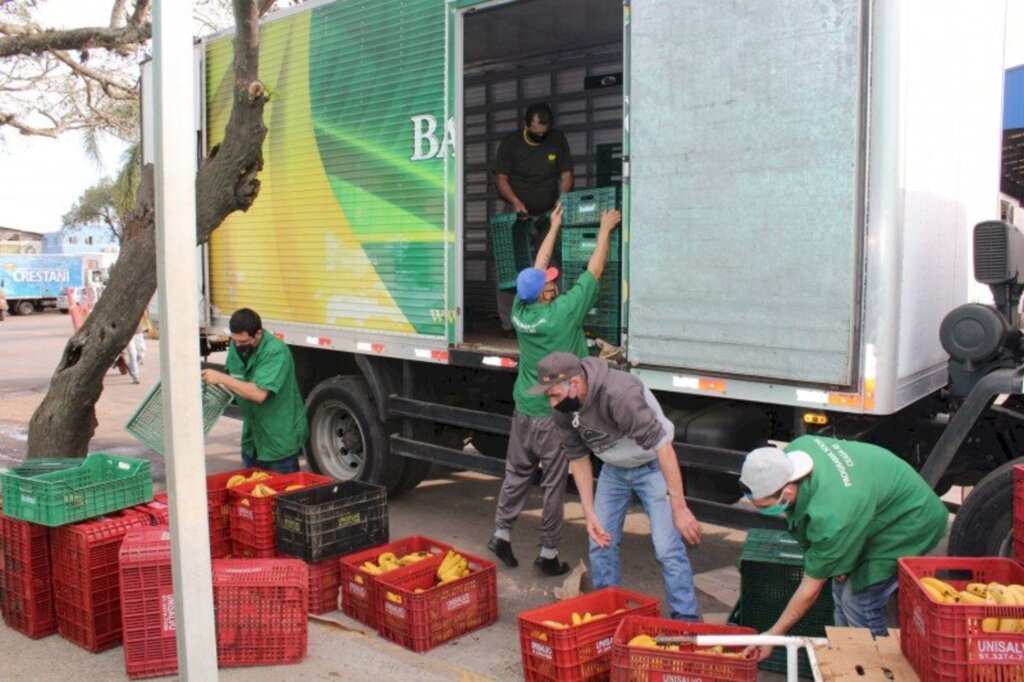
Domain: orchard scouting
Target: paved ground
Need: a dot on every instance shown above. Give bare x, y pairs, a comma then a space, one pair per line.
456, 508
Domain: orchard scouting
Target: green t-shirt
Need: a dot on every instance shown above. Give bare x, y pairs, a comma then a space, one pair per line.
543, 328
534, 170
860, 510
275, 428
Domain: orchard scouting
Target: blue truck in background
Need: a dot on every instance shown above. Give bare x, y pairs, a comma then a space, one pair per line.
32, 283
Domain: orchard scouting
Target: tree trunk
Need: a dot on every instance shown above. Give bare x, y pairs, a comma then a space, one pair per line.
65, 421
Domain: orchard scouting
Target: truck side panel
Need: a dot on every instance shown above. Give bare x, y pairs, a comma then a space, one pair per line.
348, 231
745, 167
38, 277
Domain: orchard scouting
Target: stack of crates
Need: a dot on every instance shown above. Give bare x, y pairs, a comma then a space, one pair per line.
252, 520
580, 219
26, 588
510, 243
771, 568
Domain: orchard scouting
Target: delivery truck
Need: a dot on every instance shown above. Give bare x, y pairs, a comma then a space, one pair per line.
799, 185
33, 283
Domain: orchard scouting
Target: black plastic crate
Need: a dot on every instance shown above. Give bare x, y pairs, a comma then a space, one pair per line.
609, 164
331, 520
771, 568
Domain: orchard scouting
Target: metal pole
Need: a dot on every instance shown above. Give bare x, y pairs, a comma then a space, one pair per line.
174, 142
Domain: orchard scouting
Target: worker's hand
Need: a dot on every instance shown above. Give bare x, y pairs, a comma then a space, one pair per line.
758, 653
519, 207
610, 220
687, 524
597, 532
556, 216
213, 377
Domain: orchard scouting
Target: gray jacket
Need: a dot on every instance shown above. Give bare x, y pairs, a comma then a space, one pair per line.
621, 422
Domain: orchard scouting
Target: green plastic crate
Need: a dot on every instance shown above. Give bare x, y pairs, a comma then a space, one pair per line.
510, 240
771, 568
579, 242
602, 321
147, 424
585, 206
100, 484
609, 164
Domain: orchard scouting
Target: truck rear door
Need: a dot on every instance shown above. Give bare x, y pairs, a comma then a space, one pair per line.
744, 136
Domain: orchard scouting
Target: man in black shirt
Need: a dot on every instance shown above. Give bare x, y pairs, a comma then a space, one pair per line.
533, 168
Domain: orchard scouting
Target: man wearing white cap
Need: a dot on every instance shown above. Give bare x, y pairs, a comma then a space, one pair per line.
855, 508
544, 322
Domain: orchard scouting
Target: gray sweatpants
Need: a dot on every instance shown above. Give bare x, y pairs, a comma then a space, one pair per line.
534, 443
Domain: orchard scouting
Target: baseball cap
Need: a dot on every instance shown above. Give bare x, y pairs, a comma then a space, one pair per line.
530, 283
768, 470
553, 369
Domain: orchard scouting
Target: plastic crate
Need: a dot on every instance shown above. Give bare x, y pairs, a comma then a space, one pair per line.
602, 320
86, 578
219, 508
331, 520
26, 587
771, 568
578, 244
158, 510
147, 603
510, 242
1018, 512
637, 664
101, 483
440, 613
147, 424
324, 579
35, 467
946, 641
585, 206
359, 593
581, 652
261, 611
253, 528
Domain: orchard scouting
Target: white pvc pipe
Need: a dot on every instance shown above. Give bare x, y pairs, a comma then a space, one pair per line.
792, 644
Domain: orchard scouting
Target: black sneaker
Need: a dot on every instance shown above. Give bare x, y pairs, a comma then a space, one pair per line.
551, 566
503, 550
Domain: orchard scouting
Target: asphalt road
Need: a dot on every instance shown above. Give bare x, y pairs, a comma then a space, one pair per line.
457, 508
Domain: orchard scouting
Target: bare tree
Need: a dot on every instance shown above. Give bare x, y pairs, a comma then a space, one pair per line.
65, 421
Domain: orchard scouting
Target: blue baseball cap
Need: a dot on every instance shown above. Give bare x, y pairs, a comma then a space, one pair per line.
530, 283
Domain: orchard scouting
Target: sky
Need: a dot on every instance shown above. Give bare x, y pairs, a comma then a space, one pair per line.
41, 178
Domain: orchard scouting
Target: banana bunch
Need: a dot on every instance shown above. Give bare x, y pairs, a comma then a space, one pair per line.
578, 619
648, 642
980, 594
389, 561
239, 479
263, 490
453, 567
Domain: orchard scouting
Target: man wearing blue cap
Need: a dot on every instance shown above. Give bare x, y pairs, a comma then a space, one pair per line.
545, 322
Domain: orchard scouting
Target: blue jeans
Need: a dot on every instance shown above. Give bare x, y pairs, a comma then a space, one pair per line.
615, 489
288, 465
864, 609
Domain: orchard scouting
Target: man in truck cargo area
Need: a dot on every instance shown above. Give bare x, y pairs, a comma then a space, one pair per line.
260, 372
612, 414
544, 322
855, 508
532, 168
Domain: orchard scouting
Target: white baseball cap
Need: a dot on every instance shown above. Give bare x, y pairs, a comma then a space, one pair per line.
767, 470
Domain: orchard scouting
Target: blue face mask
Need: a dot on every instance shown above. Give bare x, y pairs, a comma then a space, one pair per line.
776, 509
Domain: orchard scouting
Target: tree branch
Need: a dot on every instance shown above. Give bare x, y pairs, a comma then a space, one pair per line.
18, 41
108, 84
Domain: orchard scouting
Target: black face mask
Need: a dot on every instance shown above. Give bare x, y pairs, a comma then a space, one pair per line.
536, 137
569, 405
245, 352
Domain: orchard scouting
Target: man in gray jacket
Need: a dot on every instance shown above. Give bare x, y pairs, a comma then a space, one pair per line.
613, 415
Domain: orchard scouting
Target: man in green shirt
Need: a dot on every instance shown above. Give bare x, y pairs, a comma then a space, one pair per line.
855, 508
261, 373
544, 322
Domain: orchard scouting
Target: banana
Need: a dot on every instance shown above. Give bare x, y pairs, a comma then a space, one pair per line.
990, 624
644, 641
371, 568
294, 486
1005, 597
977, 589
554, 624
259, 476
392, 597
933, 593
970, 598
237, 479
449, 560
577, 619
948, 592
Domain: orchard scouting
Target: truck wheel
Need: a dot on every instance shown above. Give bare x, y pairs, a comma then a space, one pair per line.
984, 524
25, 308
346, 440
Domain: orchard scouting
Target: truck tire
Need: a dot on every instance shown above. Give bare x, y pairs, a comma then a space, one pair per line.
984, 524
25, 308
346, 439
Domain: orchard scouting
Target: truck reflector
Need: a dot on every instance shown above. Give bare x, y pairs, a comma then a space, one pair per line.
368, 347
805, 395
498, 361
435, 355
699, 383
318, 341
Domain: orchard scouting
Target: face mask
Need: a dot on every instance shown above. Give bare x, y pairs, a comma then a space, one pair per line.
776, 509
568, 405
536, 137
245, 351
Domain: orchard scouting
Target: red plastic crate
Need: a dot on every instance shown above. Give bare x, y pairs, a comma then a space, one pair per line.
26, 586
638, 664
324, 579
440, 613
158, 510
261, 611
219, 507
581, 652
946, 641
359, 597
86, 581
1018, 512
147, 603
253, 525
